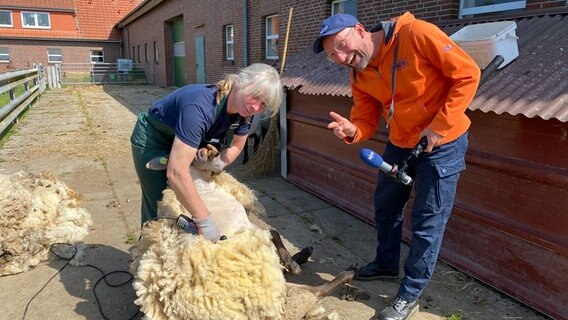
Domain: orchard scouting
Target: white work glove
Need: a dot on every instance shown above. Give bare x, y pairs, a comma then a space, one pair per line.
208, 228
203, 160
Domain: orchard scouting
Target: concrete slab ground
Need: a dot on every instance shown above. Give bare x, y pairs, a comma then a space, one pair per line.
81, 135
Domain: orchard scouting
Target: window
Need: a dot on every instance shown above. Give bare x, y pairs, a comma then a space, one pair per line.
229, 44
35, 20
138, 51
97, 56
344, 6
474, 7
146, 52
54, 55
4, 54
272, 37
133, 54
155, 52
5, 18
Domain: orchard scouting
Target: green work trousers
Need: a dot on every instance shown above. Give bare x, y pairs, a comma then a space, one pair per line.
150, 138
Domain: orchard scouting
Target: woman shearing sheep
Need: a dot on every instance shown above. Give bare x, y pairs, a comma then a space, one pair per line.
184, 122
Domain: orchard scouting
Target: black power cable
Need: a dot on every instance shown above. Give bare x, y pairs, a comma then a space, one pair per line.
103, 277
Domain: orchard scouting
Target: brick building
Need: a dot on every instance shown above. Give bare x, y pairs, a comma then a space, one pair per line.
60, 31
199, 41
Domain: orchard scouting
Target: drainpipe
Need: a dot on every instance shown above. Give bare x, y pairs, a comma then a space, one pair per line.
245, 33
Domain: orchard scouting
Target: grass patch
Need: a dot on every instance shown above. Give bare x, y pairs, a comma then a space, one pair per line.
5, 97
337, 240
131, 238
307, 219
4, 138
13, 129
454, 316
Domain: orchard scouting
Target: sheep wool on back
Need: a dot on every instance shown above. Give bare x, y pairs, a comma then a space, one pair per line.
36, 211
184, 276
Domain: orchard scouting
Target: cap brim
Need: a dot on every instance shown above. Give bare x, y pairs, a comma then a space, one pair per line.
318, 43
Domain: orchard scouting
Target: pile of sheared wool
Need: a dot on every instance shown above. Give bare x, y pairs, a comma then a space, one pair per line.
36, 211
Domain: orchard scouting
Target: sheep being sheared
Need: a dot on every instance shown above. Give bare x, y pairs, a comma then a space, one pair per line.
37, 211
180, 275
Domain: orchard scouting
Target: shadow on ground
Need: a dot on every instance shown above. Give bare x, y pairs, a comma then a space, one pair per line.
104, 285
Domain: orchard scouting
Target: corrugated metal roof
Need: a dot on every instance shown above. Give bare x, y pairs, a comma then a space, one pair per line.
535, 84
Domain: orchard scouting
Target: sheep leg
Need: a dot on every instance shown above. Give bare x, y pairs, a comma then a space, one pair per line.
285, 257
326, 289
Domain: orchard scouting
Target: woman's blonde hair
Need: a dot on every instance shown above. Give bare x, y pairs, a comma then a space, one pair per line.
259, 80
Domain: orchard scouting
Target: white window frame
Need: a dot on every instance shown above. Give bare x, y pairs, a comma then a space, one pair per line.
11, 20
270, 37
36, 26
473, 10
102, 55
229, 43
5, 57
337, 3
49, 55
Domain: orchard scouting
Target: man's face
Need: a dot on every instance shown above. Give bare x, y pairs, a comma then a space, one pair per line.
347, 48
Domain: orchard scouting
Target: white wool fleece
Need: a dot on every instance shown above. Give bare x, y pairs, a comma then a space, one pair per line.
36, 211
183, 276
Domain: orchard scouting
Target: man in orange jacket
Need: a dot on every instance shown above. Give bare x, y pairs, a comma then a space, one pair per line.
421, 82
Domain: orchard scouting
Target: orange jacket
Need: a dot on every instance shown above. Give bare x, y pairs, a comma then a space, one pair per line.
435, 82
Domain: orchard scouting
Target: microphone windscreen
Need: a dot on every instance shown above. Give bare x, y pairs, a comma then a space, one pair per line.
371, 158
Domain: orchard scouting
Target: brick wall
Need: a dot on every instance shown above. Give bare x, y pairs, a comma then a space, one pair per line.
202, 18
24, 53
155, 26
89, 21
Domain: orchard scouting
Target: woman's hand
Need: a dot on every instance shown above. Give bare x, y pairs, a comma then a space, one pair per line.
209, 159
207, 228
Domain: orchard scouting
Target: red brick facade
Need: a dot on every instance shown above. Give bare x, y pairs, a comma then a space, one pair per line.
76, 27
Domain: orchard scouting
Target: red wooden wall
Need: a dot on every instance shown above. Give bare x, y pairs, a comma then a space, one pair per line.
509, 226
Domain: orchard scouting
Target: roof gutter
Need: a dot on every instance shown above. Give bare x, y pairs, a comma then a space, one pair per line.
137, 12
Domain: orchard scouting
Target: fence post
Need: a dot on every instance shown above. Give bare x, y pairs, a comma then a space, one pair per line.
58, 75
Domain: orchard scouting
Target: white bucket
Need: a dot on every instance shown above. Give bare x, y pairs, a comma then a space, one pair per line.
485, 41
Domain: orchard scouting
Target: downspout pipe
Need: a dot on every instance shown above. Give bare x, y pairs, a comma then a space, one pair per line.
245, 33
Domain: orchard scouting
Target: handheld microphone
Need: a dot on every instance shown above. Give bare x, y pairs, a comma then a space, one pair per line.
373, 159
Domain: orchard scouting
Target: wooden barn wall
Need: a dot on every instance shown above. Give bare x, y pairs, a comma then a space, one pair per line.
509, 226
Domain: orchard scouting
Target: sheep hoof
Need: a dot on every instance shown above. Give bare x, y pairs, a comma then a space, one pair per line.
303, 256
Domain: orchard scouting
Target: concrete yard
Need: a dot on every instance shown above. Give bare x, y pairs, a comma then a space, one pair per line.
81, 135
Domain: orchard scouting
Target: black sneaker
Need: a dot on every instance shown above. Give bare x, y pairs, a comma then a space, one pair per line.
399, 310
372, 272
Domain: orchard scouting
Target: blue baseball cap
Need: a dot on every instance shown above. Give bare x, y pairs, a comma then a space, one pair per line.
333, 25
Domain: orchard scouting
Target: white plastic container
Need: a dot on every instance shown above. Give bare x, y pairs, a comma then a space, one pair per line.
485, 41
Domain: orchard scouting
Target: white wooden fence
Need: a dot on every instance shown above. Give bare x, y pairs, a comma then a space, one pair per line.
19, 89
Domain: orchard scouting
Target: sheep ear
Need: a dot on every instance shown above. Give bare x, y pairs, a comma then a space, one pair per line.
158, 163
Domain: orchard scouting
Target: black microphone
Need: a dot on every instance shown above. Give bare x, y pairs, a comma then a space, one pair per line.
373, 159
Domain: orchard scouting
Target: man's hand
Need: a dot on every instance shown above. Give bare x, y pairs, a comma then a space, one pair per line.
207, 228
341, 126
434, 139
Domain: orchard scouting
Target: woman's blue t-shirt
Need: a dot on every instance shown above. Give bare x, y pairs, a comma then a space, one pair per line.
191, 111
